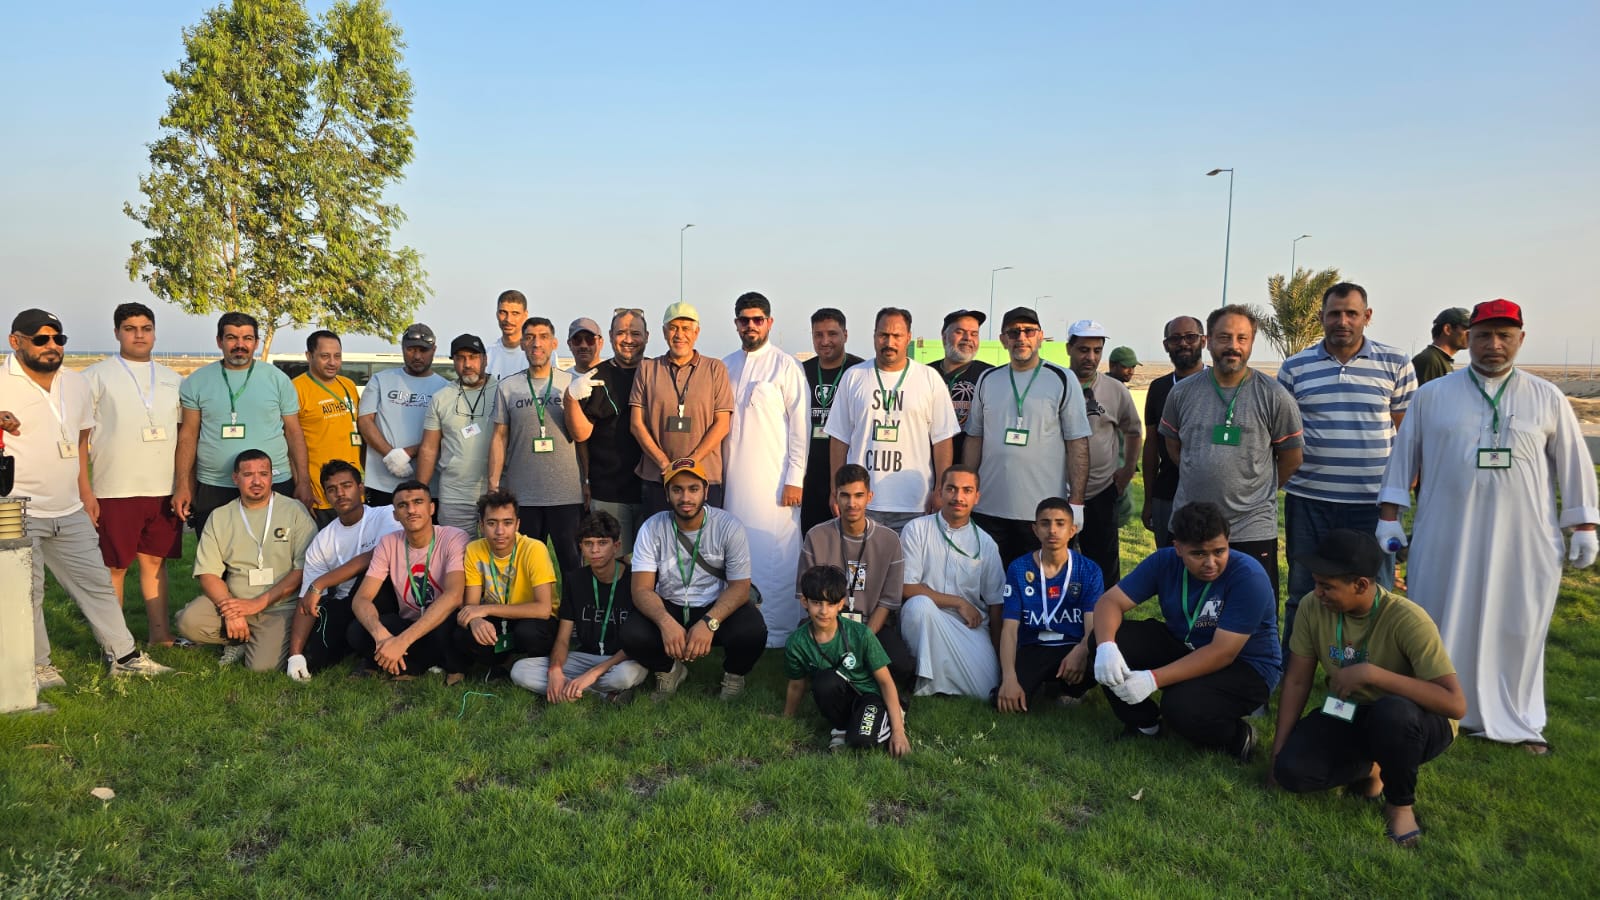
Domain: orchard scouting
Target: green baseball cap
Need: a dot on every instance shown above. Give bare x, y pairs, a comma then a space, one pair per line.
1124, 356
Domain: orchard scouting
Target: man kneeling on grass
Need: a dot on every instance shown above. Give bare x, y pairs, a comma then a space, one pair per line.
510, 599
423, 566
1049, 608
692, 589
599, 599
846, 668
1393, 697
1213, 654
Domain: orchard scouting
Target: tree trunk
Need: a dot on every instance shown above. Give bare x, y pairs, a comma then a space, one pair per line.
268, 331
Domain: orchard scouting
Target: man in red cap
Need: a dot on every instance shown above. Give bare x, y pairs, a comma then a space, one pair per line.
1496, 444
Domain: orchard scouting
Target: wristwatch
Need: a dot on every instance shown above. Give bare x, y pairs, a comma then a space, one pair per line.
712, 623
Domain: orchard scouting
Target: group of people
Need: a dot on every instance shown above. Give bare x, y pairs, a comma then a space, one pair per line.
577, 530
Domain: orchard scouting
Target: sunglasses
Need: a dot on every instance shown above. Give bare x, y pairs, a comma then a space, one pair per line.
630, 310
40, 340
584, 337
1016, 333
742, 321
1187, 338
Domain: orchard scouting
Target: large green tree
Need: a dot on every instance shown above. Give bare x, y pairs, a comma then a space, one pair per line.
1295, 309
265, 190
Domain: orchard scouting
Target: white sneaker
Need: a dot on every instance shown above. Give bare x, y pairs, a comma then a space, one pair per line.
732, 686
667, 682
48, 677
139, 665
836, 739
231, 653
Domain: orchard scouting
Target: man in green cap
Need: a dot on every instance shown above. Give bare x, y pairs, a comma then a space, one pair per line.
1123, 362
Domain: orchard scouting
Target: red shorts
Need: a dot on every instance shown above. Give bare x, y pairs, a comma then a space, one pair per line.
133, 525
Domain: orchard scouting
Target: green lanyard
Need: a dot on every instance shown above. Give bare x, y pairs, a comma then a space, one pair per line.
540, 399
977, 546
616, 576
1372, 624
888, 396
1199, 604
419, 590
1217, 386
349, 405
837, 374
1012, 374
233, 396
503, 582
685, 573
951, 378
1494, 402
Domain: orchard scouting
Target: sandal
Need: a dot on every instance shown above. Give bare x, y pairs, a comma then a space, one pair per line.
1537, 748
1407, 841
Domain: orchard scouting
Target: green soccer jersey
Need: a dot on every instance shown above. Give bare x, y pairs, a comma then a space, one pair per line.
854, 653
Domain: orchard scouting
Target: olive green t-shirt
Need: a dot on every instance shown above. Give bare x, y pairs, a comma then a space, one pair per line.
231, 545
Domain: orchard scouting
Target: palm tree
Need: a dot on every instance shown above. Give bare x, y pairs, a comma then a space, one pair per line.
1295, 319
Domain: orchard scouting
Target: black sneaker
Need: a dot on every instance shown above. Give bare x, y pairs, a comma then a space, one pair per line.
1245, 747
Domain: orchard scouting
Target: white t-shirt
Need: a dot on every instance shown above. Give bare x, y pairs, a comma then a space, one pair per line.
919, 412
339, 543
505, 361
123, 462
401, 403
43, 474
723, 544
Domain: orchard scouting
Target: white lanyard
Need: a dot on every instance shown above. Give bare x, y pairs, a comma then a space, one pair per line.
1044, 589
261, 545
60, 414
150, 398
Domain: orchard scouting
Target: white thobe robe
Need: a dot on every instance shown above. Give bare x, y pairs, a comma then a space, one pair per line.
951, 658
765, 451
1486, 548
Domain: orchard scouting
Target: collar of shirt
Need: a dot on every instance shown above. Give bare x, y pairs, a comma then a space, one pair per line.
1364, 352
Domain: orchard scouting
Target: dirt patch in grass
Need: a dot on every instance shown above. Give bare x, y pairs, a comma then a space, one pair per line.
251, 850
888, 812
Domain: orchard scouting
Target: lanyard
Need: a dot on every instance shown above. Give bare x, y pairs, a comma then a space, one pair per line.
472, 408
683, 391
539, 399
419, 590
841, 632
266, 528
1044, 588
851, 565
888, 396
1199, 604
150, 398
822, 382
349, 405
60, 414
616, 576
1217, 386
503, 581
233, 396
977, 546
1372, 624
951, 378
685, 573
1012, 374
1494, 402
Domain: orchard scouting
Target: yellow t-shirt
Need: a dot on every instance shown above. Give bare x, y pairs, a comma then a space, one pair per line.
1400, 638
328, 418
510, 581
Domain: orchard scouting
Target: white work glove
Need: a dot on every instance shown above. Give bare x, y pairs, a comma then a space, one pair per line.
1138, 686
398, 463
581, 386
1390, 531
1583, 549
1110, 668
297, 669
1077, 514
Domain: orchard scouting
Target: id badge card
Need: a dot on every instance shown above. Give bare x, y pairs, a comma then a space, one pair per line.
68, 449
153, 435
233, 432
886, 434
1016, 437
471, 430
1050, 637
818, 432
677, 424
1339, 709
856, 617
544, 445
261, 578
355, 438
1226, 435
1494, 458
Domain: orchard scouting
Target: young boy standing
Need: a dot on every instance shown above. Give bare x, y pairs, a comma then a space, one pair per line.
1049, 607
847, 668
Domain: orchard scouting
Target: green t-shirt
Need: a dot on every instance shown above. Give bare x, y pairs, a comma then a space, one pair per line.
264, 396
1400, 638
854, 652
1431, 363
229, 547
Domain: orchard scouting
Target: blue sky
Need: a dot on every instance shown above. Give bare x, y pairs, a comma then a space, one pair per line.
862, 155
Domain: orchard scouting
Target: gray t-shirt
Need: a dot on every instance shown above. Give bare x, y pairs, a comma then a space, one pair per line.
229, 548
1015, 477
538, 478
1242, 479
465, 422
873, 563
401, 403
1117, 416
723, 544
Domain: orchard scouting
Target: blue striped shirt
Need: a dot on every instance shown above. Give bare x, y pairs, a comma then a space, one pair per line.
1347, 410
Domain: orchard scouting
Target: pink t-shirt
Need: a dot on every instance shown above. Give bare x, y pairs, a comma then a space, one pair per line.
397, 562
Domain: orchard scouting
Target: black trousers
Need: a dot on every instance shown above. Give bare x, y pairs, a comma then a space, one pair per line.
529, 637
559, 524
1208, 711
653, 497
329, 640
1012, 537
1323, 752
1265, 553
434, 649
862, 716
377, 498
1037, 664
208, 498
1098, 538
742, 636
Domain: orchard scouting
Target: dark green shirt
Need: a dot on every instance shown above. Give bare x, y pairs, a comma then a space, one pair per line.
1432, 363
854, 652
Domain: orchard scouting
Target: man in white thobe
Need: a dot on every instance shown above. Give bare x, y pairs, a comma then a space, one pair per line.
1493, 444
954, 588
764, 461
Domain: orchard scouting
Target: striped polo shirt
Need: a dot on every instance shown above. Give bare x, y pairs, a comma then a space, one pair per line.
1347, 410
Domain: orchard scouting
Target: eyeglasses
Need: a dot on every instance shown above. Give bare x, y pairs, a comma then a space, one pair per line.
584, 337
742, 321
39, 340
1186, 338
630, 310
1016, 333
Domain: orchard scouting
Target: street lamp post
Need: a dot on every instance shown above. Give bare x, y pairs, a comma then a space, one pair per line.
1036, 304
991, 297
1293, 246
680, 257
1227, 242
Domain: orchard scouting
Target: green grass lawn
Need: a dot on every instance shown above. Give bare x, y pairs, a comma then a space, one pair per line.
233, 784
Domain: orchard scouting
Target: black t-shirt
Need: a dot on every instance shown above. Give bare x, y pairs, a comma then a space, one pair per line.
815, 494
613, 452
587, 613
963, 383
1164, 481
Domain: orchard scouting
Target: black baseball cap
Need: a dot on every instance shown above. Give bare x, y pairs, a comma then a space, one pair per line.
1345, 553
468, 342
962, 314
29, 321
418, 335
1019, 314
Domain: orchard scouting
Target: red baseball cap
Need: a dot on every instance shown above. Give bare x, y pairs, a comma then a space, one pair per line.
1491, 310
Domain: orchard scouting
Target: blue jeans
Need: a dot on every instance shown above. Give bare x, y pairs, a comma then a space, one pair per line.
1306, 523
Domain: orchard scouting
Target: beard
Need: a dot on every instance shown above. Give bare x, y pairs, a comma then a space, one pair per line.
1186, 358
40, 364
957, 355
